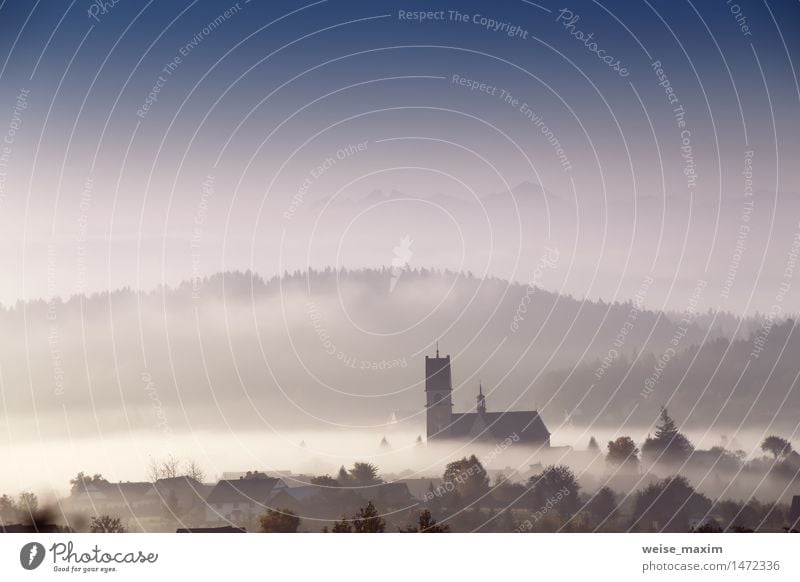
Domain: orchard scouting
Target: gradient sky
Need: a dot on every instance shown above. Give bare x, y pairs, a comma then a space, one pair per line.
97, 196
149, 143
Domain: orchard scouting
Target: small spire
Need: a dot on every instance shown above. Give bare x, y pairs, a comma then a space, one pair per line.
437, 348
481, 399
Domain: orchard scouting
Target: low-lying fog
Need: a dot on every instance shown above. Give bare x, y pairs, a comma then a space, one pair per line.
237, 378
46, 467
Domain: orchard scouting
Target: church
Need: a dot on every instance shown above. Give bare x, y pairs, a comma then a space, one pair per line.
443, 424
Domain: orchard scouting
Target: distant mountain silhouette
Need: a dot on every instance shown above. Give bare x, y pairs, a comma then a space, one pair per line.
739, 245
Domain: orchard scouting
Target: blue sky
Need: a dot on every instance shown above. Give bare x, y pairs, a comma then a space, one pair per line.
145, 100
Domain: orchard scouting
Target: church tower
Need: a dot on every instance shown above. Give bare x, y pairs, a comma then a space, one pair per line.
438, 395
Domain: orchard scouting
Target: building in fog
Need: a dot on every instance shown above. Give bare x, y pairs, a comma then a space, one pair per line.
479, 426
241, 501
794, 513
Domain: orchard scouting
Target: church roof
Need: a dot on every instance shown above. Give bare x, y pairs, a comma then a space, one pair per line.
524, 426
527, 425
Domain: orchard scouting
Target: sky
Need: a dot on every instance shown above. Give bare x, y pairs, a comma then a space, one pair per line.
149, 143
609, 151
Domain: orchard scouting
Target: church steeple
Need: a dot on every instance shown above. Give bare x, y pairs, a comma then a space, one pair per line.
438, 395
481, 399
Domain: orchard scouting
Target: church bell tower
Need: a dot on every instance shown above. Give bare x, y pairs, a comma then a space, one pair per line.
438, 395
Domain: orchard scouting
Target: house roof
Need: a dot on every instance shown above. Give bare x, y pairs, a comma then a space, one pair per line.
302, 494
394, 493
184, 487
131, 490
244, 490
182, 481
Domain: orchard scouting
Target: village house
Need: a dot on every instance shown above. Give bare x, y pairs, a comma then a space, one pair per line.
241, 501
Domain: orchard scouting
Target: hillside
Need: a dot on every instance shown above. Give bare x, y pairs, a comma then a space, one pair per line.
339, 348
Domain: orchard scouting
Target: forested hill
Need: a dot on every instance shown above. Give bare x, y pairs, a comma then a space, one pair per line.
338, 346
749, 383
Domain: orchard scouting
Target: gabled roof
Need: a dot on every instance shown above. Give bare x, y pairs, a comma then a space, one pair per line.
184, 487
182, 481
131, 491
394, 493
243, 490
527, 425
302, 494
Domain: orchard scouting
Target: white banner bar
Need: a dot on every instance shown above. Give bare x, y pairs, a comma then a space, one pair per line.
334, 557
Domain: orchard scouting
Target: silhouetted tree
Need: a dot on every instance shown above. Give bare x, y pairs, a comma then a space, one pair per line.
468, 520
504, 522
721, 459
555, 489
602, 506
106, 524
668, 505
777, 446
363, 474
735, 514
368, 520
623, 451
708, 526
467, 479
193, 470
255, 475
593, 446
80, 481
668, 444
8, 510
385, 446
772, 514
342, 526
426, 524
343, 477
166, 469
28, 504
279, 521
504, 492
324, 481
